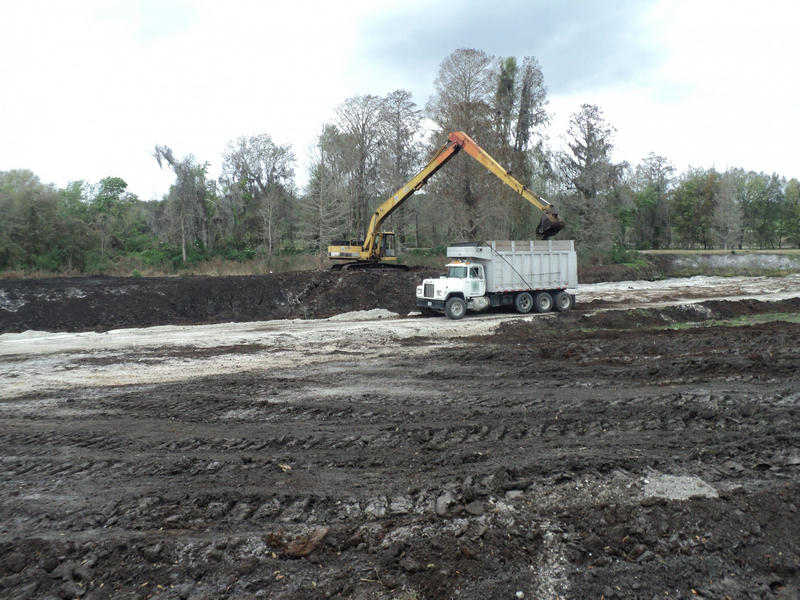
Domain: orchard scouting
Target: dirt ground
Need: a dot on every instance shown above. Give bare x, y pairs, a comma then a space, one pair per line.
597, 454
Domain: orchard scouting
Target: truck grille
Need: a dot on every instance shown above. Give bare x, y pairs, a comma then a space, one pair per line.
428, 292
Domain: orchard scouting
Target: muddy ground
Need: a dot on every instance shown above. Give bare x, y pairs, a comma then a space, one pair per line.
625, 454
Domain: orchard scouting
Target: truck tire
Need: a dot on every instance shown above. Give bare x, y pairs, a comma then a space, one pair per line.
543, 302
455, 308
562, 301
523, 302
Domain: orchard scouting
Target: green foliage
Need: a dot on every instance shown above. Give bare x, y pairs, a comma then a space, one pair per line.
47, 261
96, 262
239, 255
622, 255
12, 255
693, 206
434, 251
161, 256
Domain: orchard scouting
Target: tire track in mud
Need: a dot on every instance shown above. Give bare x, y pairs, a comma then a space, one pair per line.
507, 468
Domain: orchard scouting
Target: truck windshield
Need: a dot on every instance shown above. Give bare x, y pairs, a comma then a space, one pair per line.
460, 272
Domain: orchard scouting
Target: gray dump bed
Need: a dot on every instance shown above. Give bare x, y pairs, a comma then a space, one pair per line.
523, 265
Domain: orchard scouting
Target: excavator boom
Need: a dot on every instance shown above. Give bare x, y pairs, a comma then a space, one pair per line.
375, 246
550, 223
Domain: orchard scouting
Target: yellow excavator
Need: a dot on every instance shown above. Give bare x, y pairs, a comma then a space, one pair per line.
378, 248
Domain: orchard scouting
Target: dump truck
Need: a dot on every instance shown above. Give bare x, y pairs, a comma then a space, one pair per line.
537, 275
377, 249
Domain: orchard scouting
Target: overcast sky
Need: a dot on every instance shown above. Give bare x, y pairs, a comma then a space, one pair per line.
90, 87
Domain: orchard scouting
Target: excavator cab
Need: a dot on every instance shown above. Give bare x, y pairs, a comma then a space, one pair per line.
387, 244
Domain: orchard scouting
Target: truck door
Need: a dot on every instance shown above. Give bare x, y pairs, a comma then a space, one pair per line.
477, 284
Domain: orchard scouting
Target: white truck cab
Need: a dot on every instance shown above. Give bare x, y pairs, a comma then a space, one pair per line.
464, 280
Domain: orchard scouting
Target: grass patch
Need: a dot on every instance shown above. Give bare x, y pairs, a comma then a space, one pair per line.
740, 321
787, 251
710, 271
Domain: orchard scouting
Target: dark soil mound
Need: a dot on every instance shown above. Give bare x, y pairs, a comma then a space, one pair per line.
599, 273
642, 318
102, 303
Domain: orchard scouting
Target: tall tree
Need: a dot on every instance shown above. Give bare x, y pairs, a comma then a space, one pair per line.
324, 206
108, 203
693, 207
38, 229
462, 101
532, 102
358, 119
652, 183
399, 151
761, 197
187, 200
590, 179
505, 98
520, 106
265, 171
791, 197
726, 217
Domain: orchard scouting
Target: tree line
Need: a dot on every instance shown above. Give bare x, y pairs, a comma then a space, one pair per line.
372, 147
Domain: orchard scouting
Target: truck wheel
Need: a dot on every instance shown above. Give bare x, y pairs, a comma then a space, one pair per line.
455, 308
543, 302
562, 301
523, 302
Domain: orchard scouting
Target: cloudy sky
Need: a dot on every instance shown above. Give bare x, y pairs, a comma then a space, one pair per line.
91, 86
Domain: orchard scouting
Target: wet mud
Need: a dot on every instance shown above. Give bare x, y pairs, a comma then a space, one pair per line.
586, 455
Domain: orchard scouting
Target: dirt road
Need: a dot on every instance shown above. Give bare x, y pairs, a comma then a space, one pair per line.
587, 455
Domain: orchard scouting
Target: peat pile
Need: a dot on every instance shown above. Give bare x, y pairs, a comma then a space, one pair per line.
103, 303
639, 318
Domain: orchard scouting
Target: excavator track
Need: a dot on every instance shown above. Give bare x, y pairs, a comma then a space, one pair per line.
369, 265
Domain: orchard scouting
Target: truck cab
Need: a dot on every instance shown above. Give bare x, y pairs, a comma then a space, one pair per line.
462, 288
469, 276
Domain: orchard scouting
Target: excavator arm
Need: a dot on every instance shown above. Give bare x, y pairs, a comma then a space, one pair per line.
444, 154
372, 249
550, 224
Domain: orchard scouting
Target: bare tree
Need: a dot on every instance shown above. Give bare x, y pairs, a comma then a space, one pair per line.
324, 207
264, 170
399, 122
726, 218
464, 92
358, 119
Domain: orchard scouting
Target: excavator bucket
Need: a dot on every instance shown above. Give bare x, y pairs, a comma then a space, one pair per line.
550, 224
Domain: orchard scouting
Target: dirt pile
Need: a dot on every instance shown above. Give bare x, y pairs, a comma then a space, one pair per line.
102, 303
662, 316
